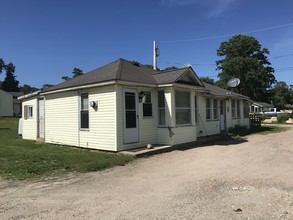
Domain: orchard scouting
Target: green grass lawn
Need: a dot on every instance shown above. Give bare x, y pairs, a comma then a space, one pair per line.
24, 159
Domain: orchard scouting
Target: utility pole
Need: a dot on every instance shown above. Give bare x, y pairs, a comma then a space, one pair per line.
156, 53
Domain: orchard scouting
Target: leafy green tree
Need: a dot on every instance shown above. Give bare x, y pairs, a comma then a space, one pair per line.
45, 86
171, 68
65, 78
207, 80
2, 65
281, 94
75, 72
244, 58
26, 89
10, 84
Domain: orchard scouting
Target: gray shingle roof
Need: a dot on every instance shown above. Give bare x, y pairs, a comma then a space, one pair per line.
217, 91
117, 70
134, 72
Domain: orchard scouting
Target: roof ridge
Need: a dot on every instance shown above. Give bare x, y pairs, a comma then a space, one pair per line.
171, 70
119, 69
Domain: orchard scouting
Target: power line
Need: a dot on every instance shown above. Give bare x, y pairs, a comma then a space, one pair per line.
227, 35
277, 57
285, 69
193, 64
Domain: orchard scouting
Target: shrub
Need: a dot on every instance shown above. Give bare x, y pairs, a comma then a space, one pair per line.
283, 117
239, 130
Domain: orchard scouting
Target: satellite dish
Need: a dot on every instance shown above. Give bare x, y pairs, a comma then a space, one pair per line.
233, 82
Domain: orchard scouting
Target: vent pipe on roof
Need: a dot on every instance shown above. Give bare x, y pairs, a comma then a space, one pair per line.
156, 53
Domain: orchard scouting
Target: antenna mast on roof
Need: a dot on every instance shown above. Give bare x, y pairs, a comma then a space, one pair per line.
156, 53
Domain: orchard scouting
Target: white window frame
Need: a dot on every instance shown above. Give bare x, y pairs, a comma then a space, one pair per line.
161, 108
28, 111
208, 109
147, 103
81, 110
215, 110
188, 108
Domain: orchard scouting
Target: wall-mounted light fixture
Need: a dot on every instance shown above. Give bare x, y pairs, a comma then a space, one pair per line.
94, 105
141, 97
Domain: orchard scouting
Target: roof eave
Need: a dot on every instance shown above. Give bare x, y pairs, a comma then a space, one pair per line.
79, 87
30, 95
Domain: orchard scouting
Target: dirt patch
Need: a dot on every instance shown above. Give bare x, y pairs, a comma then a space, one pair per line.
251, 180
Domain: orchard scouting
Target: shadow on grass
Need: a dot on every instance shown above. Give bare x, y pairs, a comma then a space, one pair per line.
4, 129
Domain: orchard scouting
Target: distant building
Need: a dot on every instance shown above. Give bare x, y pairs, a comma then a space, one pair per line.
16, 103
9, 104
260, 107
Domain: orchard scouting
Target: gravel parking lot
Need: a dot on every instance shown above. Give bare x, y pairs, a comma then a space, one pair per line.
248, 180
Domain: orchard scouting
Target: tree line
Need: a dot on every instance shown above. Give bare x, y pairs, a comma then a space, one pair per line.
240, 57
10, 84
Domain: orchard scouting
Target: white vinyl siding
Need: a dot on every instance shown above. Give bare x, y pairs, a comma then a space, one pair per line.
63, 119
29, 130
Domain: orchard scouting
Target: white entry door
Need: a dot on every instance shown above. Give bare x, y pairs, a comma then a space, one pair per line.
130, 116
222, 115
41, 118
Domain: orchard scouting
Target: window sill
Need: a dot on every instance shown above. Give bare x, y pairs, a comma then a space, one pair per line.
212, 120
162, 126
84, 129
185, 125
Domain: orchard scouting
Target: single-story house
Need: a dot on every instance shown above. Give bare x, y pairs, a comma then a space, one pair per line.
16, 103
125, 105
260, 107
6, 103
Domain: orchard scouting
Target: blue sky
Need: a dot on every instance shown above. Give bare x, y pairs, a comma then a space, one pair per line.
46, 39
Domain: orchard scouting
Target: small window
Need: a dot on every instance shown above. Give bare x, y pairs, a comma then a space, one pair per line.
161, 107
28, 111
147, 105
215, 109
84, 111
208, 109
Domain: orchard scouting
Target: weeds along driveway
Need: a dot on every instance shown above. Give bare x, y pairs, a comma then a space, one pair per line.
251, 180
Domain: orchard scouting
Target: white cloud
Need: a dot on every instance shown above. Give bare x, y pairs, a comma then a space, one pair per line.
215, 8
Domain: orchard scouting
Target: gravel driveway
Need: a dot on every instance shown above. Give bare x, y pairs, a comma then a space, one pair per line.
249, 180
